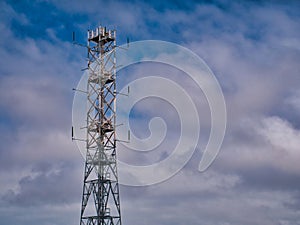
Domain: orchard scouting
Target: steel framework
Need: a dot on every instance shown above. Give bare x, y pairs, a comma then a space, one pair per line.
100, 198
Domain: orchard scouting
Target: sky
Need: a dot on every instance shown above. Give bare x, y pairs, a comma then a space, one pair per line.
252, 47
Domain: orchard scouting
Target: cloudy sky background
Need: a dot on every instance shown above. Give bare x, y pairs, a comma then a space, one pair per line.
253, 48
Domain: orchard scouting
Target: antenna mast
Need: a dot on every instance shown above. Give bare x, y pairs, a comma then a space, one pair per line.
100, 198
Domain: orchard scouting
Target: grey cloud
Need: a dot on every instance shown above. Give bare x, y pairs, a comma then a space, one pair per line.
49, 184
253, 50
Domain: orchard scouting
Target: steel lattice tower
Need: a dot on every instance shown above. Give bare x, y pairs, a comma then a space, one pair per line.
101, 199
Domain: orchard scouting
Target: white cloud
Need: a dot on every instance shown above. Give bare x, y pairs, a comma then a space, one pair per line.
253, 52
285, 139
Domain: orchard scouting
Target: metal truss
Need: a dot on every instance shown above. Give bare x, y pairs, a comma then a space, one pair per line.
100, 198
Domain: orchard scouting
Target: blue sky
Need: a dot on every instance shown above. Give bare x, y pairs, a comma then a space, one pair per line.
253, 48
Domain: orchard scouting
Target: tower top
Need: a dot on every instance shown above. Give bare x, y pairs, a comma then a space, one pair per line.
101, 34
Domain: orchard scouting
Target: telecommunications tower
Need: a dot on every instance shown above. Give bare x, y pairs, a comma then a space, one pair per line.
100, 197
